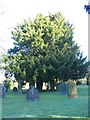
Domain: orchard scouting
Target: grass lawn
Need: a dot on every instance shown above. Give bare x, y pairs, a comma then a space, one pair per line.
50, 105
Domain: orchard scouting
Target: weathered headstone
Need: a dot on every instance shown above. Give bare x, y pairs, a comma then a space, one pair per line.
71, 89
32, 94
15, 89
63, 88
2, 91
58, 87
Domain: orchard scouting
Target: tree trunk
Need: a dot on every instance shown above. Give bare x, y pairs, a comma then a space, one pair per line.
39, 85
31, 83
71, 89
19, 87
88, 78
88, 81
52, 85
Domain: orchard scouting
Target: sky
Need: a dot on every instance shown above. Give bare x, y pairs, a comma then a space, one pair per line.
15, 11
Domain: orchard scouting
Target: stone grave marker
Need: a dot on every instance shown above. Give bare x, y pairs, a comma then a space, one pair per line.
2, 91
58, 87
71, 89
15, 89
63, 88
32, 94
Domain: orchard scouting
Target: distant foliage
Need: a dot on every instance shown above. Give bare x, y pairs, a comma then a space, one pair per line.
7, 83
87, 8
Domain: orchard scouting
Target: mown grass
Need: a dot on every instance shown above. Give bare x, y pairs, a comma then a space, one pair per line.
50, 105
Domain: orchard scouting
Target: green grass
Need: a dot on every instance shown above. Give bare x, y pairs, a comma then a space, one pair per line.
50, 105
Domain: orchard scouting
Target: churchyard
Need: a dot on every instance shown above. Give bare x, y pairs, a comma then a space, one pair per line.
44, 51
49, 105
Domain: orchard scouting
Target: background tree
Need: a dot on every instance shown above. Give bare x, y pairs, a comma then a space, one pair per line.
87, 8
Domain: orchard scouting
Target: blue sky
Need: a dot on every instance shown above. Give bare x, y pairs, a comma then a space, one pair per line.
15, 11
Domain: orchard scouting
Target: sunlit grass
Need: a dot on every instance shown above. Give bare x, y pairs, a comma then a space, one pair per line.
50, 105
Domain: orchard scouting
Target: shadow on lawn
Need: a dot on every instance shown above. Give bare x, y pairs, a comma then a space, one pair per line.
45, 119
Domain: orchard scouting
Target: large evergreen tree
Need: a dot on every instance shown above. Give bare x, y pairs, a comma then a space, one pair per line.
44, 50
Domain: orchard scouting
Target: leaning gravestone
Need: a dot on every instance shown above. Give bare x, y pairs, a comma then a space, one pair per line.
2, 91
32, 94
71, 89
63, 88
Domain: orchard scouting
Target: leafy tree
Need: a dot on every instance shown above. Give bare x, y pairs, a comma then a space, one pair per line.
87, 8
44, 50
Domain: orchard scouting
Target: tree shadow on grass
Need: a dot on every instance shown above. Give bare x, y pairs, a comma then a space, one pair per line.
45, 119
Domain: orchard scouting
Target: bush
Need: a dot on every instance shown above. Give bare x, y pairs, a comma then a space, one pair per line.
7, 83
78, 82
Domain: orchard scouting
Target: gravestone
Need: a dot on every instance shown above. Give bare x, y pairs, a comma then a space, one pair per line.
63, 88
15, 89
58, 87
32, 94
71, 89
2, 91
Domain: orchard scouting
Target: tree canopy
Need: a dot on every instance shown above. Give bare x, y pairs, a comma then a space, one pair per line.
44, 50
87, 8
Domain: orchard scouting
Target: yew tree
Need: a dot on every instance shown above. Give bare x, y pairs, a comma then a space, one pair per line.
44, 51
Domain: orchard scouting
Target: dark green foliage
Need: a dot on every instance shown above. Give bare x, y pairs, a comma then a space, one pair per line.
44, 50
87, 8
7, 83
